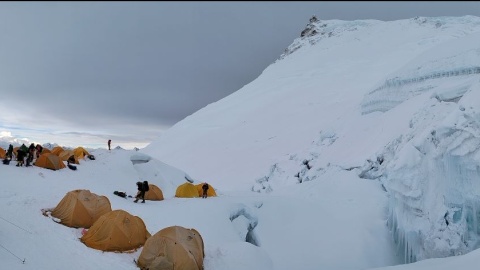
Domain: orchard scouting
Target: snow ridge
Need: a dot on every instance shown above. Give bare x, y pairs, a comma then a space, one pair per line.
317, 30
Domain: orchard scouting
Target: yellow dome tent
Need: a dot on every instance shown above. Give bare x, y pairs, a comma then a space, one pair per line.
49, 161
173, 248
154, 193
81, 208
116, 231
186, 190
3, 153
80, 152
45, 150
210, 191
57, 150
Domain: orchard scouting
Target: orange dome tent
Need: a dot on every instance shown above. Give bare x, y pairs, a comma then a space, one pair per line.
116, 231
81, 208
186, 190
49, 161
154, 193
57, 150
173, 248
3, 153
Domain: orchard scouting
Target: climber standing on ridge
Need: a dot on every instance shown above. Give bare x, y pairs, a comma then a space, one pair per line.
109, 143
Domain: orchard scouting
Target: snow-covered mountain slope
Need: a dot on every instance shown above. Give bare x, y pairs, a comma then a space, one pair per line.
394, 101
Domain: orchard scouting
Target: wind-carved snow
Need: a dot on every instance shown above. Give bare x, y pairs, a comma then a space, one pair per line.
140, 158
303, 164
245, 222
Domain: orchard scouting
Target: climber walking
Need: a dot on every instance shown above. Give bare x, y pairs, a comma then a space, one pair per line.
205, 190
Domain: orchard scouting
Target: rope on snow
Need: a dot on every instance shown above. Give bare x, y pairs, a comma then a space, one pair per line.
23, 261
16, 225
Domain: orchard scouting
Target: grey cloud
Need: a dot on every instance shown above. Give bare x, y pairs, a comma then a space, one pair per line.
96, 64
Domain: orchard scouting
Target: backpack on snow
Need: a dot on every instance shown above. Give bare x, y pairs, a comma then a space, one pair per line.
120, 193
145, 186
72, 167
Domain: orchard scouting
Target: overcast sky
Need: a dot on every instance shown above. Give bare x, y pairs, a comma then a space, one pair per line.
80, 73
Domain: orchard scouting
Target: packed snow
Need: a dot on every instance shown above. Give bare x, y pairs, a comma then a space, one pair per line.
357, 149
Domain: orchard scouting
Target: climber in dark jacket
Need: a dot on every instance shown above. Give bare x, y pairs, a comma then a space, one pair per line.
10, 152
205, 190
140, 193
20, 157
39, 149
31, 152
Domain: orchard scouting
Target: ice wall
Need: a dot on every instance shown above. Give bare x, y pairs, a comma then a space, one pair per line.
432, 172
434, 186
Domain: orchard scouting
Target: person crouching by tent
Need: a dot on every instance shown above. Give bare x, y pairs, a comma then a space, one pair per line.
141, 192
205, 189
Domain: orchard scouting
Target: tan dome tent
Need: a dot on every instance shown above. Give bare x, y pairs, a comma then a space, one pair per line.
173, 248
116, 231
81, 208
186, 190
57, 150
49, 161
45, 150
154, 193
210, 191
15, 150
80, 152
65, 154
3, 153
